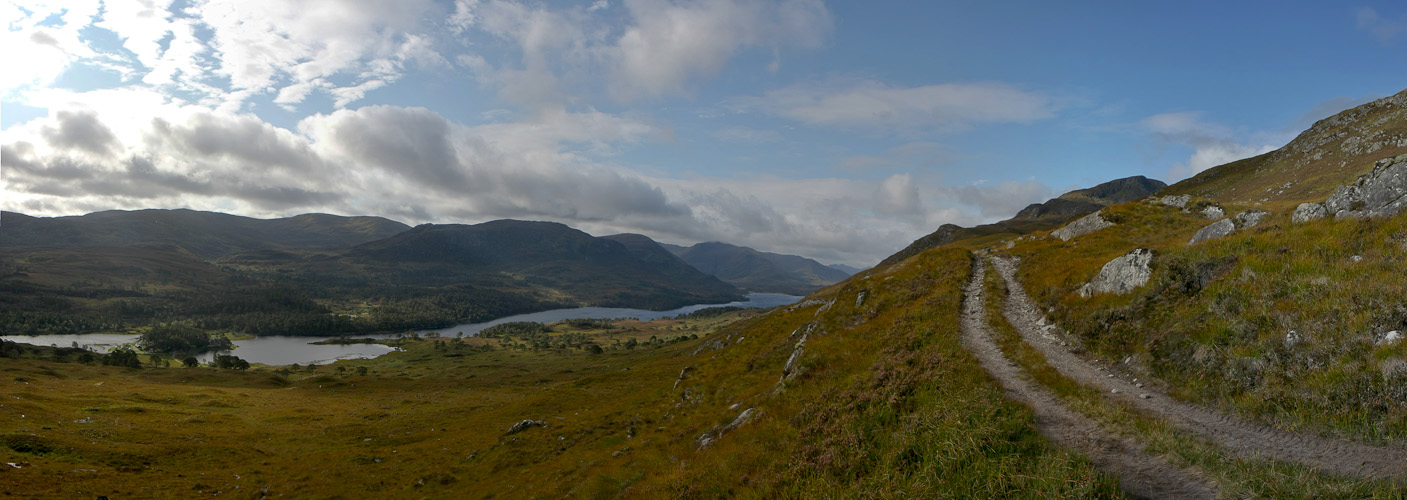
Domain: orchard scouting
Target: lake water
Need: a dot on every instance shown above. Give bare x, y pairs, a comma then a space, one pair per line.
754, 300
286, 350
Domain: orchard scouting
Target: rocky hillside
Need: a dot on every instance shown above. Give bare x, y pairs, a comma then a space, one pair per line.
1334, 152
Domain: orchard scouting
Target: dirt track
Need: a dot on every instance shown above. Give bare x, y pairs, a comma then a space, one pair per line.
1140, 474
1240, 436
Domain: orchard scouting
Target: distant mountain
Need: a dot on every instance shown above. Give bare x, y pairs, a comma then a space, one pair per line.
547, 258
1333, 152
848, 270
1039, 216
759, 271
320, 274
206, 234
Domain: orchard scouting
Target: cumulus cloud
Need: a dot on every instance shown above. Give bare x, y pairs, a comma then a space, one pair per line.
868, 103
256, 46
646, 49
670, 44
42, 40
1212, 144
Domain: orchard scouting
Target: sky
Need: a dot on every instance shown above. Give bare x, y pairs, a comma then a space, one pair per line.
840, 131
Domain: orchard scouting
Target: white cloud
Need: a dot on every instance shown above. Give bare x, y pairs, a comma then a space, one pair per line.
1212, 144
672, 44
36, 54
133, 149
868, 103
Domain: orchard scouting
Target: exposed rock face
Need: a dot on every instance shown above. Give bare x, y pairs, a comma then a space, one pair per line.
1212, 231
1179, 201
525, 425
1309, 211
1213, 212
713, 434
1082, 226
1122, 274
1250, 218
1381, 193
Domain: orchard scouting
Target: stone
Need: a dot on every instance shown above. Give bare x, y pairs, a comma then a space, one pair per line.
713, 434
1380, 193
1213, 212
1121, 275
1250, 218
1309, 211
1212, 231
1179, 201
1082, 226
525, 425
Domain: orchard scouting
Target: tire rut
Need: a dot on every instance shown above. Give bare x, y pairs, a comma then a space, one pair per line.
1242, 437
1140, 474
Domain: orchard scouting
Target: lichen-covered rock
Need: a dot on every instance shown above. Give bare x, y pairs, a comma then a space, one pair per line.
1179, 201
1082, 226
1381, 193
1122, 274
1213, 212
1309, 211
1212, 231
1250, 218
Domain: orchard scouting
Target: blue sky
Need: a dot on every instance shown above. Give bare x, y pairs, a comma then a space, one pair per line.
836, 130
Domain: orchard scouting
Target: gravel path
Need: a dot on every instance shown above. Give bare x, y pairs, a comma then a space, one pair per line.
1140, 474
1242, 437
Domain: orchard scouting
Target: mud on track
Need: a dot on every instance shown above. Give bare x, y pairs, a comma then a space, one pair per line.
1242, 437
1140, 474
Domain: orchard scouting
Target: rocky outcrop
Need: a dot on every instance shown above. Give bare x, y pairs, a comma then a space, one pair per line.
1250, 218
1179, 201
1082, 226
525, 425
1213, 231
1309, 211
1244, 220
1122, 274
1380, 193
713, 434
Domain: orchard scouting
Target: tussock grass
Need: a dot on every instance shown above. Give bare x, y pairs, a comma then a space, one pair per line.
1215, 319
1236, 477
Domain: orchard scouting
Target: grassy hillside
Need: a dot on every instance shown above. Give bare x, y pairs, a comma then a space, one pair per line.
1035, 217
206, 234
884, 402
1216, 318
427, 277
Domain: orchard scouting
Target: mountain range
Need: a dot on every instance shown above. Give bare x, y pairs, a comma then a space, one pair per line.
758, 271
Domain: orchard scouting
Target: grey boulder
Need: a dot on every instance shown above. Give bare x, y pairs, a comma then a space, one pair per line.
1212, 231
1309, 211
1082, 226
1121, 275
